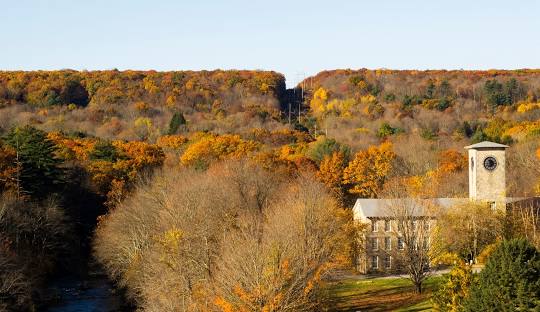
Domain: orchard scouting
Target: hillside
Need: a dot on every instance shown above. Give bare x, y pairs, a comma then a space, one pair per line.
139, 105
87, 146
434, 111
423, 112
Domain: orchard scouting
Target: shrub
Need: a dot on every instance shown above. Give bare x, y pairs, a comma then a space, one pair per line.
453, 289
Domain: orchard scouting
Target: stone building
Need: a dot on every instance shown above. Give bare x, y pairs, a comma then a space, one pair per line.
487, 184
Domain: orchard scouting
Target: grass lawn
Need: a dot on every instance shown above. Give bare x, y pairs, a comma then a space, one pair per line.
377, 294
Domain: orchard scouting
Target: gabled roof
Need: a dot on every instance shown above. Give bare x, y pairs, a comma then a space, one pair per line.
486, 144
382, 208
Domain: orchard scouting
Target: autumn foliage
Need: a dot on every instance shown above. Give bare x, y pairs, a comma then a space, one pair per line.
369, 169
233, 238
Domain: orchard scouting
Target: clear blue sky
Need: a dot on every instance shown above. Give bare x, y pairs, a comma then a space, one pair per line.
292, 37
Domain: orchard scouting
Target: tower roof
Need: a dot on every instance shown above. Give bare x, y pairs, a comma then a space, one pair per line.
486, 144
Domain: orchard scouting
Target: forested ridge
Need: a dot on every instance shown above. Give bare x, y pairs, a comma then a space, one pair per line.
190, 175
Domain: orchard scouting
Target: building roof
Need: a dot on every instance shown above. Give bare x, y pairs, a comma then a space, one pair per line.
382, 208
486, 144
373, 208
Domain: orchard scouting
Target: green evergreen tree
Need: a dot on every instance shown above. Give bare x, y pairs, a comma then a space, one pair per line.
326, 147
510, 281
40, 173
104, 150
430, 90
177, 120
479, 136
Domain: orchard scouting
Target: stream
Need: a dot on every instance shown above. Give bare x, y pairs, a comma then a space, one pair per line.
88, 290
80, 284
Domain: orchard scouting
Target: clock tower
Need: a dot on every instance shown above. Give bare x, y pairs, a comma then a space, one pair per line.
487, 176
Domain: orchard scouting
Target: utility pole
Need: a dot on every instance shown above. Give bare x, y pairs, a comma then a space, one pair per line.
289, 113
299, 103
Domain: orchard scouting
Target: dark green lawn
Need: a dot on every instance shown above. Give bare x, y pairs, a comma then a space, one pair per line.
377, 294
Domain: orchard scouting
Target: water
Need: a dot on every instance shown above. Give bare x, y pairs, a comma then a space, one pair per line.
88, 291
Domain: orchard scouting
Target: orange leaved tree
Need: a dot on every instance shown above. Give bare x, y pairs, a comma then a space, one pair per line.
369, 169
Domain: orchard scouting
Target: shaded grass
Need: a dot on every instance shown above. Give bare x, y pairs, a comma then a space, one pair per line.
376, 294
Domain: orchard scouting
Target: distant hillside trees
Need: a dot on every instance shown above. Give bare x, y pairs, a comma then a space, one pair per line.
508, 93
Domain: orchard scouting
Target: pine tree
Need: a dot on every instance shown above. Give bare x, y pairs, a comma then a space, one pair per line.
40, 173
510, 281
104, 150
177, 120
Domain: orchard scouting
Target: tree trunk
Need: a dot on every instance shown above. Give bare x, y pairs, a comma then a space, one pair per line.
418, 287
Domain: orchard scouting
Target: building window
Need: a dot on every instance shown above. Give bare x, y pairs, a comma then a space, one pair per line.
374, 243
374, 226
387, 262
387, 243
400, 244
374, 262
387, 225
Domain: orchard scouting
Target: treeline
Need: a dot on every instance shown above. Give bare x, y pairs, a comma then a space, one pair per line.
137, 104
436, 105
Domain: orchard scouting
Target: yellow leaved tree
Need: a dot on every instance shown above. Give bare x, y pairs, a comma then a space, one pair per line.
318, 102
369, 169
216, 147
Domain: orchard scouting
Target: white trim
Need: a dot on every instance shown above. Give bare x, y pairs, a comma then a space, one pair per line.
374, 225
376, 266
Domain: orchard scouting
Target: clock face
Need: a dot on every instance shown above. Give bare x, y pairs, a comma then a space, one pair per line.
490, 163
